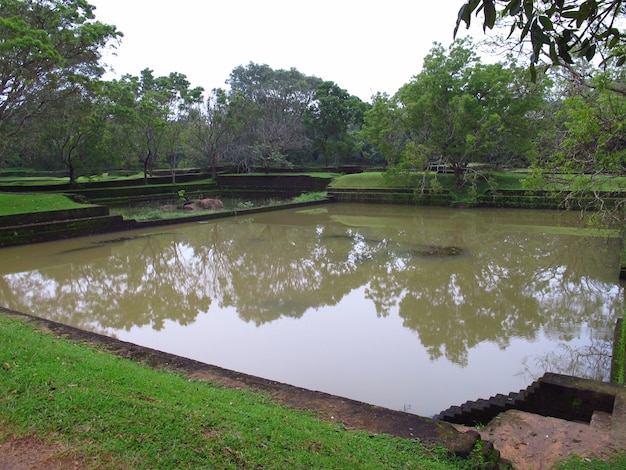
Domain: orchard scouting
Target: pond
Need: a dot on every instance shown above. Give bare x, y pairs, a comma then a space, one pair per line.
410, 308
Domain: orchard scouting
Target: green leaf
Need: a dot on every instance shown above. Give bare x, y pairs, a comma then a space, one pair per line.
591, 51
514, 7
525, 30
529, 9
463, 16
565, 55
572, 14
490, 14
513, 28
554, 56
546, 23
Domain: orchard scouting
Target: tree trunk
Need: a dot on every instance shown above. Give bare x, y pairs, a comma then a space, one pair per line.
213, 161
145, 171
458, 175
72, 173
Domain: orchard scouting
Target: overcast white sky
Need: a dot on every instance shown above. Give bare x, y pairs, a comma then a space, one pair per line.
363, 46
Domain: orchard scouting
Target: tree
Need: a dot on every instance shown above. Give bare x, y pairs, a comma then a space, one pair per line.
72, 133
211, 126
456, 111
330, 117
274, 103
145, 111
559, 29
589, 147
383, 127
588, 133
48, 51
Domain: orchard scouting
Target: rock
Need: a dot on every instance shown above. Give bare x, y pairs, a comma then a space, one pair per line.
211, 204
202, 204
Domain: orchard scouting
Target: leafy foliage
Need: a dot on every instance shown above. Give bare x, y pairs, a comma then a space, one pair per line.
457, 111
50, 49
274, 104
560, 29
332, 119
145, 110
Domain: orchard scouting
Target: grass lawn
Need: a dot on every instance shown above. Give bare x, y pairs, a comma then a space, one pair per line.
21, 203
54, 180
313, 174
505, 180
119, 414
368, 180
378, 180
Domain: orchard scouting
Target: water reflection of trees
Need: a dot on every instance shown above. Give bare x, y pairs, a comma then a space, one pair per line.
591, 360
504, 284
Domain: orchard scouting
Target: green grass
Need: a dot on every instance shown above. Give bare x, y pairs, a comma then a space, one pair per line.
313, 174
54, 180
134, 180
22, 203
576, 463
378, 180
618, 368
117, 413
505, 180
307, 197
368, 180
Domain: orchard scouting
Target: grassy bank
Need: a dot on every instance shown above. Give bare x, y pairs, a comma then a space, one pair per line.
115, 413
21, 203
479, 182
380, 180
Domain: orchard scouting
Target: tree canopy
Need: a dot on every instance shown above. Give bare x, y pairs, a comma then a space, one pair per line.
331, 117
457, 111
275, 103
145, 110
49, 49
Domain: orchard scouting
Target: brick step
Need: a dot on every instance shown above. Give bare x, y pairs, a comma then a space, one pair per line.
481, 411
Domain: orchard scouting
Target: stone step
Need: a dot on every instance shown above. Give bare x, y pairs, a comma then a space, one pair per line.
481, 411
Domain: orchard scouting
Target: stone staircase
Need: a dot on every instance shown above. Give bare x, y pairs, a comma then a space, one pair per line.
482, 411
555, 395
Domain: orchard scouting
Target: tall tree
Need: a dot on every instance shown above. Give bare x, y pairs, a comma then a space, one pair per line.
145, 111
589, 146
275, 102
211, 127
72, 133
48, 50
456, 111
330, 117
571, 35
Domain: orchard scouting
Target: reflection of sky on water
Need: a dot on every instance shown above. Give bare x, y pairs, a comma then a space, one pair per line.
349, 300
